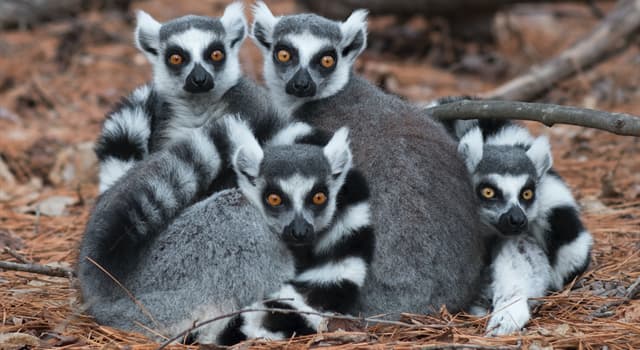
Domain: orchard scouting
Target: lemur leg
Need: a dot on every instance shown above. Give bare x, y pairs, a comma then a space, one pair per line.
520, 271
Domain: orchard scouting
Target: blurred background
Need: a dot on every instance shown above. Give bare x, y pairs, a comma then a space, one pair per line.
63, 65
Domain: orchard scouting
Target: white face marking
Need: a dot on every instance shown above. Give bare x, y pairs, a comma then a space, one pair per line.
297, 188
510, 185
308, 45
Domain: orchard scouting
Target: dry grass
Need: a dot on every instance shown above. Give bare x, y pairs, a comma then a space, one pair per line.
59, 101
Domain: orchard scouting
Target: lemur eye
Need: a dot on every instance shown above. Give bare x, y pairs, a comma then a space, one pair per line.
527, 194
284, 56
274, 200
488, 193
176, 59
319, 198
327, 61
217, 55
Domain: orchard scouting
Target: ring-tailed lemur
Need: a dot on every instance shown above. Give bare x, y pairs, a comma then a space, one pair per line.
314, 202
131, 213
421, 190
196, 79
546, 244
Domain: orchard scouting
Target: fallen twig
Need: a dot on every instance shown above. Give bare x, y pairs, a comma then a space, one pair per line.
16, 255
548, 114
37, 268
613, 34
197, 325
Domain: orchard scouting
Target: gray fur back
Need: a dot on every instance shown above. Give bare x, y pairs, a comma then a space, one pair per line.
216, 255
430, 247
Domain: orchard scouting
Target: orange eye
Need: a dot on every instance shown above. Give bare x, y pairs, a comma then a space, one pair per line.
274, 200
176, 59
284, 56
217, 55
488, 192
527, 194
327, 61
319, 198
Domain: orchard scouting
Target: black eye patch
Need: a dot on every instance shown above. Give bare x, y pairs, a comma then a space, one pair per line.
497, 194
316, 61
318, 188
274, 189
206, 54
292, 51
176, 50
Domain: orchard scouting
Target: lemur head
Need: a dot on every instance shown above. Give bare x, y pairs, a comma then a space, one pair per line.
193, 54
294, 186
306, 56
505, 178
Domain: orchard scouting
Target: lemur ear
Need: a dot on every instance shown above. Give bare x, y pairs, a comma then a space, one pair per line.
234, 23
470, 148
354, 34
338, 153
540, 155
248, 153
147, 34
263, 24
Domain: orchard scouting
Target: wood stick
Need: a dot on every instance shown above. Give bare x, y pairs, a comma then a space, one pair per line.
548, 114
611, 36
197, 325
37, 268
16, 255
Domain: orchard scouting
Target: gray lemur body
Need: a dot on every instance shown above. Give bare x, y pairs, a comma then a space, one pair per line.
196, 79
317, 205
430, 248
545, 244
208, 266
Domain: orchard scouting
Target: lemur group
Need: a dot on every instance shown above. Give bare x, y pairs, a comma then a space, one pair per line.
318, 192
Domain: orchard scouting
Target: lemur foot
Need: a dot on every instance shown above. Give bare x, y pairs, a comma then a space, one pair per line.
509, 317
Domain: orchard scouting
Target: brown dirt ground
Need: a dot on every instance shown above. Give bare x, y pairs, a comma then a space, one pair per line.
57, 81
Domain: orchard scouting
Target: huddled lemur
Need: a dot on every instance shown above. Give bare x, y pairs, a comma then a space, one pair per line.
312, 200
196, 80
421, 199
545, 244
185, 121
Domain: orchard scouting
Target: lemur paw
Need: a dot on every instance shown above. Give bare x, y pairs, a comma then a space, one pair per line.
509, 317
478, 311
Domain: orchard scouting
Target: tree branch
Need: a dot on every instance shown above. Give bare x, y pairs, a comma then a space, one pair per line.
547, 114
197, 325
611, 36
37, 268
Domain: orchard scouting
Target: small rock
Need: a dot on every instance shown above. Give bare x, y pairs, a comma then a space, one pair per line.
14, 341
55, 205
75, 165
6, 177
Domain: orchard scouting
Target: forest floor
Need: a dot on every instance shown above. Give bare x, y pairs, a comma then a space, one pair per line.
58, 80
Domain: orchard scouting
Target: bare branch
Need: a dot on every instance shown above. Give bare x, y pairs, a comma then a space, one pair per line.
37, 268
300, 312
613, 35
16, 255
548, 114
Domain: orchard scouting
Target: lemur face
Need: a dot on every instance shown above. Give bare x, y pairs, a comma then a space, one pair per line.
505, 178
193, 55
306, 56
295, 186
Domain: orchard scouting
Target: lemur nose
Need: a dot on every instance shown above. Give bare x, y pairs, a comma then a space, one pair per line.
517, 219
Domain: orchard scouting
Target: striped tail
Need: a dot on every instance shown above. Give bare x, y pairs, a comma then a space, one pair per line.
124, 138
